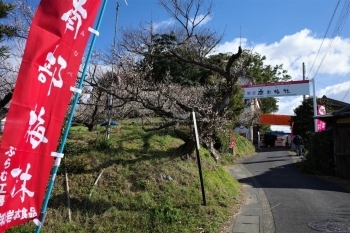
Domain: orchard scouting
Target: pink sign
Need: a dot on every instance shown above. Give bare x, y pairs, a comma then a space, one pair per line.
321, 125
321, 110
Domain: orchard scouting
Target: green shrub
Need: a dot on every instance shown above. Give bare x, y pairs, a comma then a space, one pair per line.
223, 139
103, 144
164, 214
142, 184
76, 164
242, 147
319, 154
74, 148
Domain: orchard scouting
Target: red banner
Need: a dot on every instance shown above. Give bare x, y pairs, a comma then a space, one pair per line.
53, 53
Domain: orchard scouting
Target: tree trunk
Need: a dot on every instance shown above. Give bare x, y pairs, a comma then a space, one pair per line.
90, 127
187, 149
213, 151
6, 99
94, 113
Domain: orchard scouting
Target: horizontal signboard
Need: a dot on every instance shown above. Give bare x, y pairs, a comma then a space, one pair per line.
276, 89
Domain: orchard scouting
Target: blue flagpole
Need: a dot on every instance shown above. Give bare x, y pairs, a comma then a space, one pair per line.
64, 139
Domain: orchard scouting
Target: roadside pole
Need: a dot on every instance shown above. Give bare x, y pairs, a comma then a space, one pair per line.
314, 103
198, 158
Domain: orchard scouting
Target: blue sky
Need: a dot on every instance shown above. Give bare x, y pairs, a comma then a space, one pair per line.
287, 32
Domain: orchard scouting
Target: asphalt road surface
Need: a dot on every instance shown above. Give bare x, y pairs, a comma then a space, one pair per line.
300, 203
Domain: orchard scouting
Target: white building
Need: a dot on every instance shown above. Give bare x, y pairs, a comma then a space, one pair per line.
250, 114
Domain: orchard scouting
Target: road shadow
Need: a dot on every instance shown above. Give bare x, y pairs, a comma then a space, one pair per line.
265, 161
276, 148
286, 176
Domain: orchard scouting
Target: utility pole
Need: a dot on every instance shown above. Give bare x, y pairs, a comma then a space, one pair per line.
303, 77
109, 102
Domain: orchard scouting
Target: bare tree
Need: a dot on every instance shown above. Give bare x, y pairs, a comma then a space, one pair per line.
173, 102
19, 18
194, 43
22, 17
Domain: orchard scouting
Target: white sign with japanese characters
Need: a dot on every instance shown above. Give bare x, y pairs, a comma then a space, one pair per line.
292, 88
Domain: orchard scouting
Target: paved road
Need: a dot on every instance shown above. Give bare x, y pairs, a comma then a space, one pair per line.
297, 201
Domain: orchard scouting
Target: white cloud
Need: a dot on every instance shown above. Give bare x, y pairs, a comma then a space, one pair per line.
171, 22
201, 20
230, 46
335, 89
293, 50
338, 91
163, 24
286, 105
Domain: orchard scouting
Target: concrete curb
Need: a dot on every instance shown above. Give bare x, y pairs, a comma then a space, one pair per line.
255, 214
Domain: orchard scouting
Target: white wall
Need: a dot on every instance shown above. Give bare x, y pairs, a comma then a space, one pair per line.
244, 130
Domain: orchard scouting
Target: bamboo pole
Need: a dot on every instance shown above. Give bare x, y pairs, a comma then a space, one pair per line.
96, 181
68, 197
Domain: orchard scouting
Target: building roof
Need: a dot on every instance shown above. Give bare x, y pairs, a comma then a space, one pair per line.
336, 104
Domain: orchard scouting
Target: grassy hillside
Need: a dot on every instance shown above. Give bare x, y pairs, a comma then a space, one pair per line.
143, 185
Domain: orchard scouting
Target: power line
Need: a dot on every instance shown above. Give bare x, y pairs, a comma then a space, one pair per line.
346, 94
341, 21
342, 18
324, 37
323, 84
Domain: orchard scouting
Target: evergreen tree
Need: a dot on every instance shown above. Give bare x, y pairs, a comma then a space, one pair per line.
167, 67
6, 31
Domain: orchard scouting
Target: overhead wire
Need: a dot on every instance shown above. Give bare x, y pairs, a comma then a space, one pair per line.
341, 21
347, 13
346, 94
324, 37
349, 87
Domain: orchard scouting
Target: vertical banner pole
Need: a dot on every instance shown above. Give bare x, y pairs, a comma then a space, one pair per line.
314, 103
198, 158
55, 168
